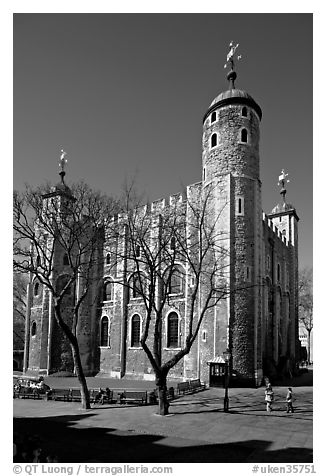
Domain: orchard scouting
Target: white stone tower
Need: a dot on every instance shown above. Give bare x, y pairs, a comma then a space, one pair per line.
230, 156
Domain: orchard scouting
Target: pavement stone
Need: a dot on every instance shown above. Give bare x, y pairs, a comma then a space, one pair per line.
197, 429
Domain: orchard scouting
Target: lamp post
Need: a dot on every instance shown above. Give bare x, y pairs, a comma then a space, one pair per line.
227, 358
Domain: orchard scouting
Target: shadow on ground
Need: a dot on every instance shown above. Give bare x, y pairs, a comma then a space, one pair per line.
305, 379
83, 444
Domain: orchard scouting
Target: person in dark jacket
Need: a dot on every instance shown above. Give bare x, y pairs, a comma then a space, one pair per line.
289, 401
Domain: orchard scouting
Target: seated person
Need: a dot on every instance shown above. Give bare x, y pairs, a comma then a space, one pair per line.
105, 395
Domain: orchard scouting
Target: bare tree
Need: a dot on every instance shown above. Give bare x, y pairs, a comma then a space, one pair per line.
52, 222
166, 250
306, 303
19, 309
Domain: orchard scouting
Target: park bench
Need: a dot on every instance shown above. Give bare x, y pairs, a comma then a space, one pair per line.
153, 395
61, 394
75, 395
129, 396
106, 397
183, 387
93, 392
16, 391
196, 385
28, 392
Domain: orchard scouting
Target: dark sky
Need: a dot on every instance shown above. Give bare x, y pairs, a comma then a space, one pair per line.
125, 94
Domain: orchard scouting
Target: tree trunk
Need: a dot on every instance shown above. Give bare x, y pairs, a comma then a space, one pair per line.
81, 377
308, 346
76, 357
163, 404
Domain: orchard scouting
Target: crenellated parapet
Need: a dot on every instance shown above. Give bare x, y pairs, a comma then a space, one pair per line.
274, 232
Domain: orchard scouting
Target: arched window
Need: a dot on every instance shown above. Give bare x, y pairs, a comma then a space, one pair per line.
36, 288
244, 112
33, 329
173, 330
214, 140
135, 331
176, 281
65, 260
213, 117
136, 286
107, 291
244, 135
108, 258
104, 337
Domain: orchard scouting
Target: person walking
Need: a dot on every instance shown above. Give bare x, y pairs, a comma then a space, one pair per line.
269, 397
289, 401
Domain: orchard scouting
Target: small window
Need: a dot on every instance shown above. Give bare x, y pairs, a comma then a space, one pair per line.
65, 260
214, 140
38, 260
239, 205
204, 174
244, 112
107, 291
136, 288
192, 281
213, 117
172, 243
36, 288
268, 262
278, 272
248, 273
244, 135
173, 330
204, 336
108, 258
135, 331
33, 329
105, 342
137, 251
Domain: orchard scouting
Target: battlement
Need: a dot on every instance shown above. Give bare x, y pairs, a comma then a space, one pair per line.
171, 201
194, 187
274, 230
158, 205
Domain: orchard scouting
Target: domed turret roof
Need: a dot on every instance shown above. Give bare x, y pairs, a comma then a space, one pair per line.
282, 207
231, 93
234, 96
62, 188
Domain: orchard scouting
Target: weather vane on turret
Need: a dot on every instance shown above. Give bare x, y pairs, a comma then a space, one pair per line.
282, 180
62, 164
231, 76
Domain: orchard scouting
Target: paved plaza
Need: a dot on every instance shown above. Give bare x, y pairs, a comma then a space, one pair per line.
197, 429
